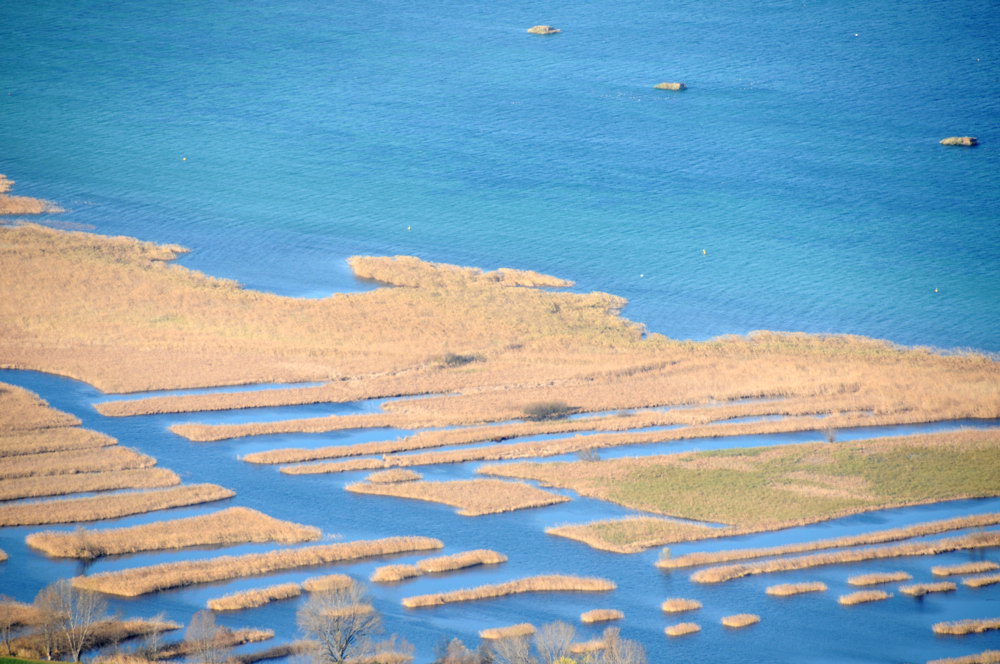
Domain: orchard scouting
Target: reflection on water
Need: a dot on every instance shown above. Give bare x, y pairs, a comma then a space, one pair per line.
809, 628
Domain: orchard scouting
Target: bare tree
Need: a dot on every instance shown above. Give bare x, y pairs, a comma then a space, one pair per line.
513, 650
70, 617
342, 622
553, 641
621, 651
205, 638
13, 617
152, 641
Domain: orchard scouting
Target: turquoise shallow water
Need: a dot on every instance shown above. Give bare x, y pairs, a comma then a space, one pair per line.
797, 185
803, 159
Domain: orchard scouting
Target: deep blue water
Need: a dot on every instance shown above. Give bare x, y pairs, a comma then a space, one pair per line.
797, 184
803, 159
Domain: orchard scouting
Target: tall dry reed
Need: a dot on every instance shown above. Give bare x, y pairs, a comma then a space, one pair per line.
51, 439
472, 497
249, 599
963, 627
921, 589
521, 629
980, 581
789, 589
975, 567
59, 485
985, 657
327, 582
679, 605
601, 615
531, 584
95, 460
878, 578
141, 580
682, 629
863, 597
740, 620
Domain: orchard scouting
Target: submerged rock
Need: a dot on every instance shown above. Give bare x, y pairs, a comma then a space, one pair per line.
967, 141
670, 86
543, 30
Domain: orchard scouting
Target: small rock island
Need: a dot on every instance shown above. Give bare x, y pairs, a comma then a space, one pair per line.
670, 86
543, 30
967, 141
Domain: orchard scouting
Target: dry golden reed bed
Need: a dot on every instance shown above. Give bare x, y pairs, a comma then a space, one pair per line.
394, 573
740, 620
472, 497
635, 533
22, 204
101, 459
985, 657
22, 411
532, 584
601, 615
142, 580
224, 639
878, 578
50, 439
976, 567
393, 476
437, 565
963, 627
235, 525
522, 629
679, 605
316, 584
96, 508
781, 486
863, 597
924, 548
980, 581
788, 589
921, 589
59, 485
876, 537
249, 599
107, 632
682, 629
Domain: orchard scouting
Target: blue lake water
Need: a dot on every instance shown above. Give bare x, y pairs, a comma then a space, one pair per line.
797, 184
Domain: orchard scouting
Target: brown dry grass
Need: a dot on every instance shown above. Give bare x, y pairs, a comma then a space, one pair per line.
980, 581
876, 537
22, 204
21, 410
636, 533
142, 580
679, 605
863, 597
472, 497
985, 657
59, 485
601, 615
97, 508
532, 584
249, 599
922, 548
921, 589
316, 584
963, 627
740, 620
750, 487
682, 629
788, 589
522, 629
235, 525
878, 578
51, 439
94, 460
976, 567
460, 560
393, 476
394, 573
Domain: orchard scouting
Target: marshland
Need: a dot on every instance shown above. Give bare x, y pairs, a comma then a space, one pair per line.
811, 465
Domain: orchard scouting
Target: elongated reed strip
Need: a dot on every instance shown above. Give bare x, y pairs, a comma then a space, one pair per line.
3, 555
584, 647
96, 508
980, 581
142, 580
22, 204
878, 578
679, 605
740, 620
53, 439
93, 460
249, 599
976, 567
985, 657
274, 652
925, 548
392, 476
235, 525
863, 597
472, 497
531, 584
963, 627
682, 629
601, 615
224, 639
460, 560
521, 629
788, 589
636, 533
875, 537
59, 485
327, 582
394, 573
921, 589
